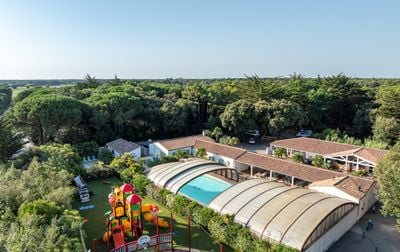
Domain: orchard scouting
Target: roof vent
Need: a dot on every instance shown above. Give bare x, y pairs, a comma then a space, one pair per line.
359, 188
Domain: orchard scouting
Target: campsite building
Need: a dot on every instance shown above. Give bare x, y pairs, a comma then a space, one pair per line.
121, 146
346, 157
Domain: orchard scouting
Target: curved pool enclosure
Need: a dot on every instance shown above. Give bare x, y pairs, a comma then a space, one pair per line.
294, 216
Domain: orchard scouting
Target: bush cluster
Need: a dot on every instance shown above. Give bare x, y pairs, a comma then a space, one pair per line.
98, 171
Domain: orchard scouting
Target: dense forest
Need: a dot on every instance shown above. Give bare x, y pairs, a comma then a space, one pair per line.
340, 108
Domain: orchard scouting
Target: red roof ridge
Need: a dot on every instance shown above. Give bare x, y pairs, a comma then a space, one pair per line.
224, 145
327, 141
291, 162
177, 138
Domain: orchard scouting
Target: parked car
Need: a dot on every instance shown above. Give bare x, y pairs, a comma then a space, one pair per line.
252, 140
304, 133
255, 133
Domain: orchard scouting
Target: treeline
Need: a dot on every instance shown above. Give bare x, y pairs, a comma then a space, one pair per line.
141, 110
37, 83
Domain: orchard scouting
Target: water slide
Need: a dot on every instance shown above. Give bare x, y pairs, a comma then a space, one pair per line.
118, 237
147, 209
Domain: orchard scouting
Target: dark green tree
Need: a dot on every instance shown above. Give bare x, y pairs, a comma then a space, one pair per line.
389, 99
283, 115
10, 140
44, 118
239, 117
388, 173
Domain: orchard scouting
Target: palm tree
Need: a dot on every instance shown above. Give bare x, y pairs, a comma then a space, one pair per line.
201, 152
298, 158
279, 152
217, 133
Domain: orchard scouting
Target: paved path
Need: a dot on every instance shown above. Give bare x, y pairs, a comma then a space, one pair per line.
259, 148
384, 237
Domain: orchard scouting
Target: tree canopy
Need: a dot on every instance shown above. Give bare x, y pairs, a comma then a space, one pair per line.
388, 174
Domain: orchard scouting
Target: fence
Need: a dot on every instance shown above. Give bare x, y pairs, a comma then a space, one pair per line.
162, 241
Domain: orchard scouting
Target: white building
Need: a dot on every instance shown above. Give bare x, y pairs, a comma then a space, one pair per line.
220, 153
346, 157
356, 189
121, 146
169, 147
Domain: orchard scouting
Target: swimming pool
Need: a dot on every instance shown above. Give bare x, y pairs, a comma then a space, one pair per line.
204, 188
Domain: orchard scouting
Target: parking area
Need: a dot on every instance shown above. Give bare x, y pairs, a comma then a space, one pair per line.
382, 237
259, 148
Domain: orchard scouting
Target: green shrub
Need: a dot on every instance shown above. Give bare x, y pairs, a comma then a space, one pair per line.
279, 152
140, 183
42, 208
106, 156
98, 171
181, 154
201, 152
169, 201
228, 140
360, 173
318, 161
180, 205
202, 215
86, 149
298, 158
217, 228
126, 161
163, 160
162, 195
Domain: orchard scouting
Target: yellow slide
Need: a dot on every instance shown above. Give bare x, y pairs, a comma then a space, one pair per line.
149, 217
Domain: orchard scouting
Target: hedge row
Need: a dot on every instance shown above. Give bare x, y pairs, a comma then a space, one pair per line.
221, 227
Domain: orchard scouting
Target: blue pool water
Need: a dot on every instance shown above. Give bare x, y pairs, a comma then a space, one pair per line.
204, 188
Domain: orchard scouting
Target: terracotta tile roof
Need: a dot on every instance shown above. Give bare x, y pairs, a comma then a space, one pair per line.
220, 149
371, 154
122, 146
323, 147
182, 142
301, 171
328, 182
354, 186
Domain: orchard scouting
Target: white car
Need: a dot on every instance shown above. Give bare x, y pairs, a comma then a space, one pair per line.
304, 133
252, 140
255, 133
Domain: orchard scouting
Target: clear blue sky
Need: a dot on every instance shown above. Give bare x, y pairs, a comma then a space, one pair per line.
198, 38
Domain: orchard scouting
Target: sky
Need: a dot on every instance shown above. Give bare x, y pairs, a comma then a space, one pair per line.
56, 39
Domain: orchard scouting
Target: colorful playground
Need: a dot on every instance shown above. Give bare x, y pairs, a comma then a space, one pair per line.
126, 215
124, 221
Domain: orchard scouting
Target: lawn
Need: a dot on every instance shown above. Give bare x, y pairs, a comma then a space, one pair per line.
95, 228
18, 90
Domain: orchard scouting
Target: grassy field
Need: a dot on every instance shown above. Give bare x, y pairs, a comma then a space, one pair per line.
95, 227
18, 90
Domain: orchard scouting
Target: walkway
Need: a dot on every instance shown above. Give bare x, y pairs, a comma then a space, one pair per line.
384, 237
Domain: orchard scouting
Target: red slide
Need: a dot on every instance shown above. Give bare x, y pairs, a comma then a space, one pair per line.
118, 237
